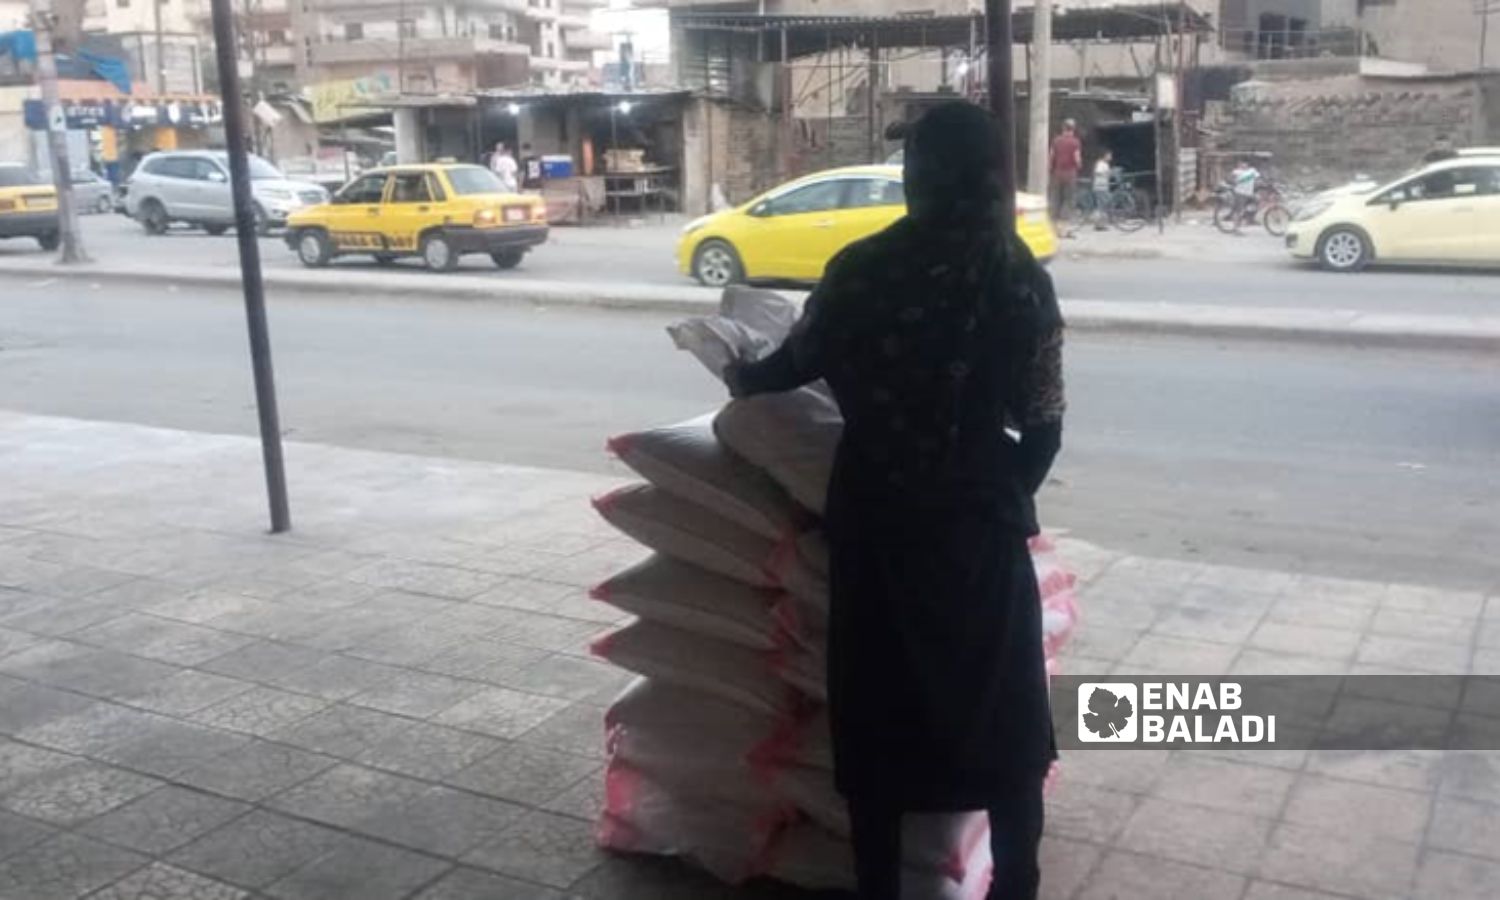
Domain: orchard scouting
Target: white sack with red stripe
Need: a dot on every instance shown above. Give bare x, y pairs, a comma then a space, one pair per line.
687, 461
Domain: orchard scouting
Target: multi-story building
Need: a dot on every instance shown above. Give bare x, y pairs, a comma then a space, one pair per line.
163, 46
447, 46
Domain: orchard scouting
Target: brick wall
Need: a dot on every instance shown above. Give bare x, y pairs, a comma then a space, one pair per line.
1328, 129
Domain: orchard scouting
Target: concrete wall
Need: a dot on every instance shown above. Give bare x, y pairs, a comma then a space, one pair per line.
735, 148
1443, 34
1327, 130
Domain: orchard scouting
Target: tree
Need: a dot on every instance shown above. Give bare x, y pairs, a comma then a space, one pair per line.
52, 26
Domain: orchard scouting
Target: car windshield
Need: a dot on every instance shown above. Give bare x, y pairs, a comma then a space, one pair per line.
474, 180
260, 170
15, 176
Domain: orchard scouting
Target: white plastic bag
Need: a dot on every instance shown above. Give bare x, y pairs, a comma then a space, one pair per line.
688, 532
811, 857
702, 664
792, 436
661, 589
750, 325
688, 461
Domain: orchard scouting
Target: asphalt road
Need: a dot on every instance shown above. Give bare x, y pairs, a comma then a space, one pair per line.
1367, 464
1204, 267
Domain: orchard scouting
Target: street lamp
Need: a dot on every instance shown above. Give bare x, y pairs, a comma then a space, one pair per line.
513, 108
624, 107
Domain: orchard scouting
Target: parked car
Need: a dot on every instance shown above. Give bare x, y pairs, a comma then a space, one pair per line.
92, 194
192, 186
28, 206
791, 232
438, 212
1446, 212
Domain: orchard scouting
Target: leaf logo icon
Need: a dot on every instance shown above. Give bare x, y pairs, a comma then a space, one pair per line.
1108, 715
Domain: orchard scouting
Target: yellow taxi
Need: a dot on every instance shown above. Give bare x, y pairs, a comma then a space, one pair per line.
791, 232
1446, 212
438, 212
28, 206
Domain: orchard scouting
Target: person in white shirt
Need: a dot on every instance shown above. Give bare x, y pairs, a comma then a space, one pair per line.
504, 166
1103, 172
1243, 181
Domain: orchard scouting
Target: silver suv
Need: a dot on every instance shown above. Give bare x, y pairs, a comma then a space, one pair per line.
192, 186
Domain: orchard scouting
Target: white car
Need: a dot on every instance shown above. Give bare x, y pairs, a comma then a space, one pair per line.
1446, 212
192, 186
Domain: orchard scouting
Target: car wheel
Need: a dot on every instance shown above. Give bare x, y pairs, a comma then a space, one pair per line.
215, 230
715, 264
154, 217
49, 241
104, 204
438, 253
508, 259
314, 248
262, 221
1344, 249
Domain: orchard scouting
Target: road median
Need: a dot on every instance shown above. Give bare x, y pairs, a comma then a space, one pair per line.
1293, 324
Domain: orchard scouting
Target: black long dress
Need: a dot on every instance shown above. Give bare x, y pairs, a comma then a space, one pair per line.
933, 341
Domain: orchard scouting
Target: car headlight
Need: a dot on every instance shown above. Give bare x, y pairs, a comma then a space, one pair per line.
1310, 211
695, 225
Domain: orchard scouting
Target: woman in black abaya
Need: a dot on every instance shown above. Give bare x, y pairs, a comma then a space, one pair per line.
942, 341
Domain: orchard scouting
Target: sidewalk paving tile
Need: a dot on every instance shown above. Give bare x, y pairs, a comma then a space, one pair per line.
397, 700
65, 867
163, 820
1123, 875
1361, 866
159, 881
542, 847
473, 884
1450, 876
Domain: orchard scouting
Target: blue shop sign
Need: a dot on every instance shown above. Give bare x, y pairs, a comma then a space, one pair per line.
80, 114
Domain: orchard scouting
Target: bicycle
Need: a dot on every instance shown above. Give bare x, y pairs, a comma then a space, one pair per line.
1122, 206
1268, 208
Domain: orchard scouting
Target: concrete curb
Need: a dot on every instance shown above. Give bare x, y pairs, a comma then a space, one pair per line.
1344, 328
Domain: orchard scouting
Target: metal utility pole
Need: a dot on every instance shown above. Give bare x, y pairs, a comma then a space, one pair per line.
1041, 98
161, 61
44, 27
998, 43
227, 53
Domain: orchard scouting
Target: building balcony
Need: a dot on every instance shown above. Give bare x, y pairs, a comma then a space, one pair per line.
574, 21
515, 7
589, 40
540, 14
276, 55
414, 49
586, 5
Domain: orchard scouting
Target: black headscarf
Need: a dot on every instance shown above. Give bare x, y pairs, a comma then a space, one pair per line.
952, 167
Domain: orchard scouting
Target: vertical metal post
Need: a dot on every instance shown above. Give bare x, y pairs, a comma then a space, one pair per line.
1040, 129
161, 60
250, 275
998, 43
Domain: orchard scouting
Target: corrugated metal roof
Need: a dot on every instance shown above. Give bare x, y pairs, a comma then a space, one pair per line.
807, 35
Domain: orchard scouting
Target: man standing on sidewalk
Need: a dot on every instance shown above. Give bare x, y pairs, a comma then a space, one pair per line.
1065, 164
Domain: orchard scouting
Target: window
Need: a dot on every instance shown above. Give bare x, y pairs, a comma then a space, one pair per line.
122, 4
17, 176
354, 31
368, 189
864, 192
410, 187
173, 167
276, 37
815, 197
205, 170
468, 180
1444, 184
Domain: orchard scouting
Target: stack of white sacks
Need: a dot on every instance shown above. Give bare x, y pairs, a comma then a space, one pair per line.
720, 752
